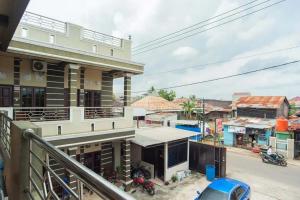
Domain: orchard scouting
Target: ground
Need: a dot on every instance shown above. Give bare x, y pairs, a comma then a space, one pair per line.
268, 182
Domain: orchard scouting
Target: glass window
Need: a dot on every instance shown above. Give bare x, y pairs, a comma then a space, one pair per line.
177, 153
5, 96
52, 39
33, 97
92, 98
24, 32
212, 194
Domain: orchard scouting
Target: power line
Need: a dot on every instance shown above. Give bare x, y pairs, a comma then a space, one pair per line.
162, 37
202, 66
194, 29
226, 77
235, 19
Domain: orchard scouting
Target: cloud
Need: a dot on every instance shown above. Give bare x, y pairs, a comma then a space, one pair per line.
184, 53
259, 30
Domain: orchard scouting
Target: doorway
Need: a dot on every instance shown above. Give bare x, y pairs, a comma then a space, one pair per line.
155, 155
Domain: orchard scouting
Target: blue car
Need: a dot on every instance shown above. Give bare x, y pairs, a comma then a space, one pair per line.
225, 189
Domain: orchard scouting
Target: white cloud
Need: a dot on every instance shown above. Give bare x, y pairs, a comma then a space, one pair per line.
261, 27
184, 53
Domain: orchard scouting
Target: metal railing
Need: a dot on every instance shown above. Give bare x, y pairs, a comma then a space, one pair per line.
43, 22
5, 136
101, 37
35, 114
48, 184
103, 112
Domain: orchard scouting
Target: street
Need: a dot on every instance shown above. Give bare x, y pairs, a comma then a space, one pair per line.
266, 181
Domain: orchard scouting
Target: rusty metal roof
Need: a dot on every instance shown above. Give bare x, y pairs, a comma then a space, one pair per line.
248, 122
261, 101
295, 100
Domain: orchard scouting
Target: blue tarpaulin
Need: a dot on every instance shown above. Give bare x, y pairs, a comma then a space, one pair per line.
193, 129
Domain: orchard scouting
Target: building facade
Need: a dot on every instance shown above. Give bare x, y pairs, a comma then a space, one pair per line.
60, 77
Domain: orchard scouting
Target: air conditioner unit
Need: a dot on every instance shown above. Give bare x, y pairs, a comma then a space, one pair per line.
39, 66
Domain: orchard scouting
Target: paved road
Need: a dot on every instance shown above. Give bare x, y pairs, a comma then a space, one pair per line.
268, 182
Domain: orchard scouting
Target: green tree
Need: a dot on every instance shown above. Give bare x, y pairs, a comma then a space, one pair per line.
168, 95
151, 90
188, 108
193, 98
292, 109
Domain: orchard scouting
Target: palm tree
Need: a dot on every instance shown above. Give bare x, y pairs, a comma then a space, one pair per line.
188, 108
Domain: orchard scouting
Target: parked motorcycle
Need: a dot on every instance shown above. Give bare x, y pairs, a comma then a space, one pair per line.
276, 159
139, 170
146, 184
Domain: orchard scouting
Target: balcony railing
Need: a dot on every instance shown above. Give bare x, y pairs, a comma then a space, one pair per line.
103, 112
35, 114
101, 37
33, 155
5, 127
44, 22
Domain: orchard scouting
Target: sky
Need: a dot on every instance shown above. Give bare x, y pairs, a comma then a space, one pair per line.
272, 29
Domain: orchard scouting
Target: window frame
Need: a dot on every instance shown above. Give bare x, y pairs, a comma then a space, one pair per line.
177, 153
33, 96
10, 98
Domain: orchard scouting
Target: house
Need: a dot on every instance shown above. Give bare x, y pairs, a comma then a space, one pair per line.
296, 102
246, 132
235, 97
59, 76
153, 110
164, 150
270, 107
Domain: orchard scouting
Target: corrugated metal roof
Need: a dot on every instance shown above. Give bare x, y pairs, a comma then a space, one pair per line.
260, 101
296, 101
154, 103
258, 123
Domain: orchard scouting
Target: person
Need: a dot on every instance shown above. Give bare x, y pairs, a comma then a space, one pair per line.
269, 152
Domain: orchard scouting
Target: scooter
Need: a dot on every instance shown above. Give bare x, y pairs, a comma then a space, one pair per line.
139, 171
276, 159
146, 184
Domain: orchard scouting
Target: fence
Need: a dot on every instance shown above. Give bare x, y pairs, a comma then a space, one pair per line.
103, 112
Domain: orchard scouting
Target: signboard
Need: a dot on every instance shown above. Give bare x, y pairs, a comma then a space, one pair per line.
237, 129
219, 125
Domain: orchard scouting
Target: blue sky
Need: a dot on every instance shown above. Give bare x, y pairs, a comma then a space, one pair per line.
275, 28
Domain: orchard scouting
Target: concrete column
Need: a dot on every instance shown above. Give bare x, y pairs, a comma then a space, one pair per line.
107, 89
106, 158
17, 92
55, 85
72, 81
165, 161
125, 164
117, 154
290, 148
81, 95
127, 90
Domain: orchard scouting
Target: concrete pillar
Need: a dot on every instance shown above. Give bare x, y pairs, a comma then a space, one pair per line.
55, 92
81, 95
165, 161
106, 158
107, 90
127, 90
117, 154
125, 164
17, 92
290, 148
72, 82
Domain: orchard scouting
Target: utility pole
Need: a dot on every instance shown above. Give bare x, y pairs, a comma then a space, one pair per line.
203, 118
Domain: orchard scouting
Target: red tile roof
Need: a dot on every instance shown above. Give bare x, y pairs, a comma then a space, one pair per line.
261, 101
154, 103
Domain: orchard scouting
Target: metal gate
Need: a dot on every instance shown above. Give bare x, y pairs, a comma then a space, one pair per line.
204, 154
297, 145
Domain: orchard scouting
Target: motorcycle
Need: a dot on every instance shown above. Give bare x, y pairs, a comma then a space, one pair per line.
146, 184
139, 171
276, 159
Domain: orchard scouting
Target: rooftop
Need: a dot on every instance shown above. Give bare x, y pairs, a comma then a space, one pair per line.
261, 101
151, 136
258, 123
154, 103
295, 100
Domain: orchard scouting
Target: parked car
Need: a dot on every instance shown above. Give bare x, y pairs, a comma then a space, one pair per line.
225, 189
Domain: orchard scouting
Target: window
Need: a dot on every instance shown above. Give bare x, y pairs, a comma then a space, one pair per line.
5, 96
92, 98
212, 194
24, 33
94, 48
52, 39
177, 153
33, 97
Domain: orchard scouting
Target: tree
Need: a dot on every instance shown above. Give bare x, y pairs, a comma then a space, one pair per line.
292, 109
168, 95
188, 108
151, 90
193, 98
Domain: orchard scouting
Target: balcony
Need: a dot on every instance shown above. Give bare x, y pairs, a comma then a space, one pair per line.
29, 174
35, 114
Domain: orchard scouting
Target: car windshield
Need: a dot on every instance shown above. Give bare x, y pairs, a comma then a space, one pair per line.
211, 194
